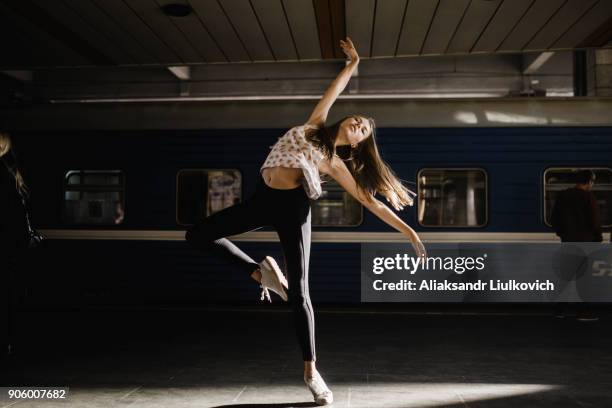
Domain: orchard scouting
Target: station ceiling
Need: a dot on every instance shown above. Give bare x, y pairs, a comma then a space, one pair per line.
73, 33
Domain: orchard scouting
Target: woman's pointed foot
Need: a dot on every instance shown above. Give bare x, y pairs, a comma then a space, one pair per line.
272, 278
320, 391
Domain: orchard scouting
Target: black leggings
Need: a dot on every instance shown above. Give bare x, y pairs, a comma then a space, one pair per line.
288, 212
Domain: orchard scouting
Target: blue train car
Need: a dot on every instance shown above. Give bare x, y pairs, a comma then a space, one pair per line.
134, 252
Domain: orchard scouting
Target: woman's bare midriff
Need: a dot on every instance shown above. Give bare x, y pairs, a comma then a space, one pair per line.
282, 178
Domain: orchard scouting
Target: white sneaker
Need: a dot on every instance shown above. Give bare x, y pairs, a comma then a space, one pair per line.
321, 393
272, 278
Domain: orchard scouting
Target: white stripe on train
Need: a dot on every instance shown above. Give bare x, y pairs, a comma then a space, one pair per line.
317, 236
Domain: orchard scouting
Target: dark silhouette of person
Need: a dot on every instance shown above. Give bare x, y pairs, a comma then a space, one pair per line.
575, 218
13, 240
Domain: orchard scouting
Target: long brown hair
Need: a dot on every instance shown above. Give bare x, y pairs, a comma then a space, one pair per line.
5, 148
370, 172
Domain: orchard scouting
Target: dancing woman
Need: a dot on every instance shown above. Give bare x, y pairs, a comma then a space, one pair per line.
289, 179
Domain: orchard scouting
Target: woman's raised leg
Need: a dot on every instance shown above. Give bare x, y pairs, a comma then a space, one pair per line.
209, 234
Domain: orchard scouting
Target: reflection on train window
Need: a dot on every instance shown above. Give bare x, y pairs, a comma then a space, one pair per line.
452, 197
94, 197
557, 179
202, 192
336, 207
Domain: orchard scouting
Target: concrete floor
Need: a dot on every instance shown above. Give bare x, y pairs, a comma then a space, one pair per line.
241, 358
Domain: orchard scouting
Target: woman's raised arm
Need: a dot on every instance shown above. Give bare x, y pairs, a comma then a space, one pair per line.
319, 114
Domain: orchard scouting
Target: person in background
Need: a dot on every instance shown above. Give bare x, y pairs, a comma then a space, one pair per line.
575, 218
13, 238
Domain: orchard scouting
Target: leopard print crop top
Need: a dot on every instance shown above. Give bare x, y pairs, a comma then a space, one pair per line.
295, 151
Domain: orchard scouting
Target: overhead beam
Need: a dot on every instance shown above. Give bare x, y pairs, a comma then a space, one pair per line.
331, 26
452, 113
425, 77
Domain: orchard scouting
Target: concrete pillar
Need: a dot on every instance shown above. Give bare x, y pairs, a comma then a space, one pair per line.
580, 73
599, 72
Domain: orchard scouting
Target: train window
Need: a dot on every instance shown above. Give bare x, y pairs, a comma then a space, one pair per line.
94, 197
336, 207
557, 179
452, 197
202, 192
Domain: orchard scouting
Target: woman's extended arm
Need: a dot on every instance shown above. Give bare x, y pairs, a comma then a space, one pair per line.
339, 172
319, 114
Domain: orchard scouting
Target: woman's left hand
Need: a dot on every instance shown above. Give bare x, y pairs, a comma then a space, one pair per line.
349, 49
418, 246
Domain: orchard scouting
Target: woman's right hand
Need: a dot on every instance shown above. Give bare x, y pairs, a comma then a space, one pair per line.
349, 49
